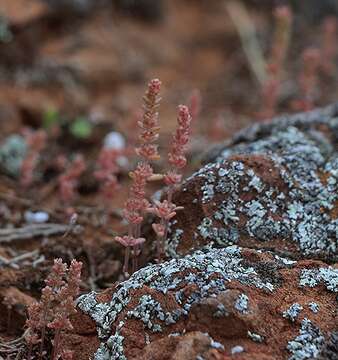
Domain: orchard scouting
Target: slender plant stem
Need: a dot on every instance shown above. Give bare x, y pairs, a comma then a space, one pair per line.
56, 344
163, 240
43, 333
133, 266
9, 317
30, 348
158, 247
126, 259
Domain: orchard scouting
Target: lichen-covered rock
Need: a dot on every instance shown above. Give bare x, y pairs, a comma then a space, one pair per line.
330, 348
12, 154
245, 277
212, 304
273, 186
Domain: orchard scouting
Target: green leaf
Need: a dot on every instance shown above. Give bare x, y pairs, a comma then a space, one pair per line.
50, 118
81, 128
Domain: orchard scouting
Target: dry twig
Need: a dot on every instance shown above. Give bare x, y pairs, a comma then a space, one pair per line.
31, 231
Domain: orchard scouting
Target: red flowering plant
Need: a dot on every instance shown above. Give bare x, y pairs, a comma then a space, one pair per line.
53, 310
107, 171
137, 204
68, 181
195, 102
329, 45
275, 67
308, 80
166, 209
36, 142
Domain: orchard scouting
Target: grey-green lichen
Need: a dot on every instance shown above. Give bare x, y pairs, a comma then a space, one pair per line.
12, 154
293, 311
209, 271
221, 311
175, 239
308, 344
242, 303
314, 307
255, 337
313, 277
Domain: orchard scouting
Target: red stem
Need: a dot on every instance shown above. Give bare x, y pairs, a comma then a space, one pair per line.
56, 344
9, 317
43, 333
30, 348
126, 260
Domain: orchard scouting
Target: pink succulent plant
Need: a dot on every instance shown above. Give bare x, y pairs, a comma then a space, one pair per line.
68, 181
137, 203
56, 305
166, 210
107, 171
36, 142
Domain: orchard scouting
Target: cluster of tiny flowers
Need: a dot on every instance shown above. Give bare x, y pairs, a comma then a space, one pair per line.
107, 171
56, 305
36, 141
68, 181
195, 101
149, 123
129, 241
280, 45
176, 156
308, 79
137, 204
283, 16
330, 48
165, 211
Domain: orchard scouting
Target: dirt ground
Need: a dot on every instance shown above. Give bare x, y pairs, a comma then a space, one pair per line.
93, 63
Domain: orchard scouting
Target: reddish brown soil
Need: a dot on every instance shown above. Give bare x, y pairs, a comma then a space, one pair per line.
98, 65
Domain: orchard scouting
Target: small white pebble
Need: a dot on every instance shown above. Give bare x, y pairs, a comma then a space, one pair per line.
37, 217
114, 140
237, 349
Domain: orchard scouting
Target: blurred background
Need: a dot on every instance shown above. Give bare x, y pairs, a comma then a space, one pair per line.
72, 77
74, 71
65, 60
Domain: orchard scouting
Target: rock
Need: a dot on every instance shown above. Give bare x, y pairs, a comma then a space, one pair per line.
194, 345
330, 348
36, 217
114, 140
13, 307
245, 277
273, 186
208, 303
12, 154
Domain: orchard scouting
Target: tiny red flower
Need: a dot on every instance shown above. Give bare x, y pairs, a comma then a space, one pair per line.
164, 210
129, 241
159, 229
172, 178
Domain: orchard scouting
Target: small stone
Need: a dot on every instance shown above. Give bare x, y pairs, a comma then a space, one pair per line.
237, 350
114, 140
37, 217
